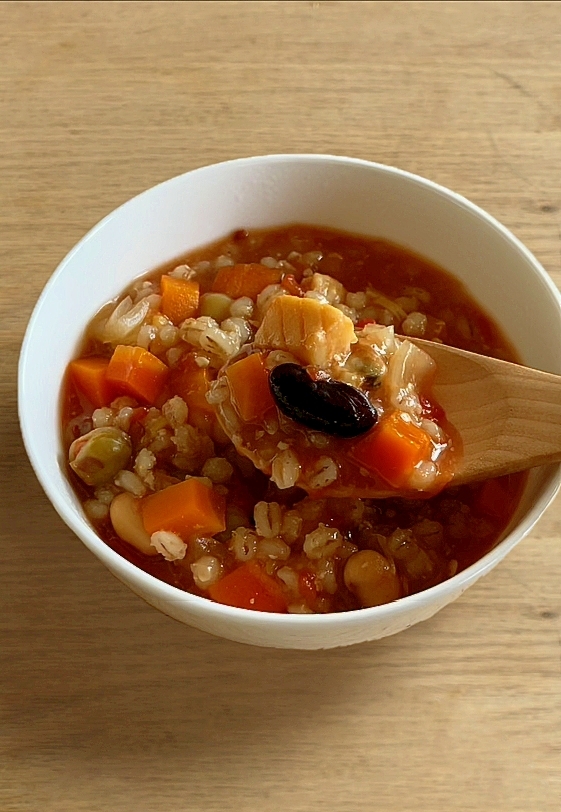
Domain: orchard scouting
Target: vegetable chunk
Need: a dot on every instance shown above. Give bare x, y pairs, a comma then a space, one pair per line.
180, 298
249, 384
190, 509
245, 280
89, 376
393, 449
137, 372
192, 382
249, 587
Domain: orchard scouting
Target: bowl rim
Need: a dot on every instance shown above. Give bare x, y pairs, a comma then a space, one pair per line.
116, 563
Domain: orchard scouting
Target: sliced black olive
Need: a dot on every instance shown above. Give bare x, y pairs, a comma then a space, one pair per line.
324, 405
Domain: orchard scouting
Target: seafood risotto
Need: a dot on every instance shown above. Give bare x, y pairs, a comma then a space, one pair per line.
225, 411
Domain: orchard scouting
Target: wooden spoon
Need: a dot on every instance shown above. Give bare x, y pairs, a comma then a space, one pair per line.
508, 416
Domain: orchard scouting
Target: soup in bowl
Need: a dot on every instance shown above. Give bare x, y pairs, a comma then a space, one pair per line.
239, 362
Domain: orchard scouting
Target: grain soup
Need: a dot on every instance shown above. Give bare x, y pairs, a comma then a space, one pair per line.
224, 409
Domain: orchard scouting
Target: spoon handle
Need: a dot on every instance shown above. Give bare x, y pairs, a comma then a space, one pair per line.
508, 416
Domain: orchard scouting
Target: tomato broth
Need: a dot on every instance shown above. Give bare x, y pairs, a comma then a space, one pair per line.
166, 436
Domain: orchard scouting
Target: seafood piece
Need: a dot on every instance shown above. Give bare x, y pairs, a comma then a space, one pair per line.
314, 332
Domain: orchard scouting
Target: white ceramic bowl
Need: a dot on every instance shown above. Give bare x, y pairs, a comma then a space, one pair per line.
206, 204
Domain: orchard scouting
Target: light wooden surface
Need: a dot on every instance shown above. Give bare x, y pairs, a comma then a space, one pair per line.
108, 705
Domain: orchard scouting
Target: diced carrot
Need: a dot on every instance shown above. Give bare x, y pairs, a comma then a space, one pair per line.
245, 280
191, 382
249, 386
89, 376
392, 449
135, 371
249, 587
180, 298
493, 499
190, 509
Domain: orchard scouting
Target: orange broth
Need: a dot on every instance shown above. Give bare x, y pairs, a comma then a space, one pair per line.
453, 318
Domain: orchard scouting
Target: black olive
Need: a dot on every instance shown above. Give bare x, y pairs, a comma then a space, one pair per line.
324, 405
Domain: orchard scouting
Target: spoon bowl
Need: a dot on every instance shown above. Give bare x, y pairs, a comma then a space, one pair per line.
507, 416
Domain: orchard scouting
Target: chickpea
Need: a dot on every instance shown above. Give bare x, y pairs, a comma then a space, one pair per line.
127, 523
216, 305
372, 578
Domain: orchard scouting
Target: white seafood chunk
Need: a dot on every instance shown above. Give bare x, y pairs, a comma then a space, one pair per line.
314, 332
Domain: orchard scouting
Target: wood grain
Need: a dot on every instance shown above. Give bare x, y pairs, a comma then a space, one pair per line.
108, 705
507, 416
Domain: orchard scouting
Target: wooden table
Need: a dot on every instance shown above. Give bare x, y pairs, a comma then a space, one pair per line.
108, 705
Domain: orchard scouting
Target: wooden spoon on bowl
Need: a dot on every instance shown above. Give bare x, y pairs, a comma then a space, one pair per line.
508, 416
